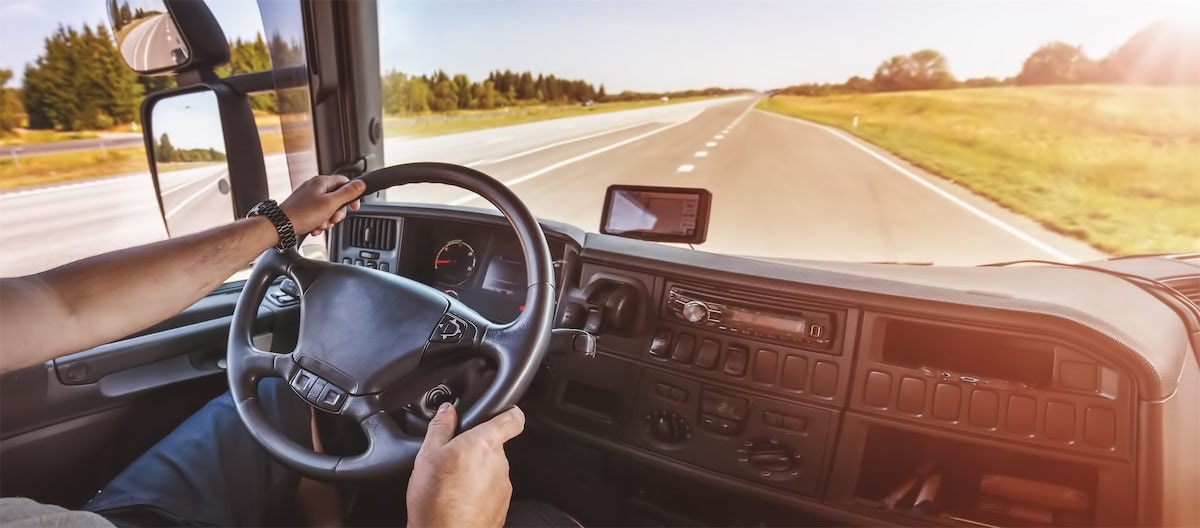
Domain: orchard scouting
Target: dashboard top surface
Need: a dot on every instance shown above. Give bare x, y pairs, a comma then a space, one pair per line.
1150, 337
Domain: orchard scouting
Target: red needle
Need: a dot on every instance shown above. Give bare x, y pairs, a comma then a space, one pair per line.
440, 262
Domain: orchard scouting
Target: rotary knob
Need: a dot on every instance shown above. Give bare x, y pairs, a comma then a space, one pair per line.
668, 427
695, 311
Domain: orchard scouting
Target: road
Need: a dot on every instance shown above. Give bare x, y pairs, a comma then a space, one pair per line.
148, 45
782, 188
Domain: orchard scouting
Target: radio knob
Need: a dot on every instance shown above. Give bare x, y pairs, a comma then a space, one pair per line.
695, 311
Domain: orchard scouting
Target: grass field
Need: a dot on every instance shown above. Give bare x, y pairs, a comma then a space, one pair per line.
437, 125
45, 169
33, 137
1117, 167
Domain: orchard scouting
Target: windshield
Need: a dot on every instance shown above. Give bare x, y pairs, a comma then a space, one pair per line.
909, 131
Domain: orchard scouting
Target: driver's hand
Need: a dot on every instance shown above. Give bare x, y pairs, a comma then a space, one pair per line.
318, 204
463, 481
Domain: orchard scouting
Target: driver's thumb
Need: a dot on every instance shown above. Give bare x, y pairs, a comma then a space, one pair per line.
441, 427
351, 190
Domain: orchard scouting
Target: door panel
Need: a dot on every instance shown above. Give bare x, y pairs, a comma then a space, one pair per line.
69, 425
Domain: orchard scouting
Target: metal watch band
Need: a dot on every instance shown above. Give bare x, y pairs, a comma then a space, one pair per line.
287, 234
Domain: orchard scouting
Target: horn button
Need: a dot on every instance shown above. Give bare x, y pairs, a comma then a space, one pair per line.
364, 330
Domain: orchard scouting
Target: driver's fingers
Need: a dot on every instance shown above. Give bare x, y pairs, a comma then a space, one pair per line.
355, 205
338, 216
502, 428
441, 427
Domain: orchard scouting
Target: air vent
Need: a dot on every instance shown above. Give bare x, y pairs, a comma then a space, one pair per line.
371, 233
1188, 286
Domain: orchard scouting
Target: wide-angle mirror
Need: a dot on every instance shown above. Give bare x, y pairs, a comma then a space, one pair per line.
147, 36
190, 162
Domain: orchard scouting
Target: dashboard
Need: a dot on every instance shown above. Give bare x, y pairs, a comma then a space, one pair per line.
871, 394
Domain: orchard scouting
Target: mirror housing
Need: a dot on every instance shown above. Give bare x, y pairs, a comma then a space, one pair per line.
208, 115
167, 36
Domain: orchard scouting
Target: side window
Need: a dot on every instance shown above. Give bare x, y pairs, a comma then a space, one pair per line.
74, 180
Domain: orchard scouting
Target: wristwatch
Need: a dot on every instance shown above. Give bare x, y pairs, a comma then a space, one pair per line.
270, 209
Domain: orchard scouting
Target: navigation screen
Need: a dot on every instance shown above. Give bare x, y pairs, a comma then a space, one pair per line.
505, 276
664, 213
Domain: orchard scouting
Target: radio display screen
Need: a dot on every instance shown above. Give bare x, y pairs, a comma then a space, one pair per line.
773, 324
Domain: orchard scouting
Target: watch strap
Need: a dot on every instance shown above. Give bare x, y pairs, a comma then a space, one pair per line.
283, 226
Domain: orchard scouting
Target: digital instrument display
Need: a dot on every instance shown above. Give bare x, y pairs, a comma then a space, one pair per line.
505, 276
768, 323
665, 214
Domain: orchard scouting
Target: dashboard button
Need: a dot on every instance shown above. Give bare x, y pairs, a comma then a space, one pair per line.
346, 260
372, 264
358, 262
773, 419
1077, 376
735, 361
1100, 427
793, 423
912, 395
1021, 416
710, 352
1060, 420
678, 395
383, 266
947, 400
878, 389
825, 376
765, 363
723, 406
795, 370
685, 349
985, 408
662, 390
719, 425
661, 344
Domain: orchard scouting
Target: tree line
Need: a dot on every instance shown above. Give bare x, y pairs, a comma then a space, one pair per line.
1156, 55
439, 92
165, 152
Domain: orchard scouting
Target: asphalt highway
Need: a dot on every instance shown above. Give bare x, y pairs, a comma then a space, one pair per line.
782, 188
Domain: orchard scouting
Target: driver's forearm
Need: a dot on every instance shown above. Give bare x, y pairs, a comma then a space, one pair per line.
107, 297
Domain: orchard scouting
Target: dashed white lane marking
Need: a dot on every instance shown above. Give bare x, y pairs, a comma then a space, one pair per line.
701, 154
719, 136
1023, 236
685, 168
522, 179
711, 144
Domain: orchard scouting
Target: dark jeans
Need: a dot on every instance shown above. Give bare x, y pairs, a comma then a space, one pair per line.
209, 471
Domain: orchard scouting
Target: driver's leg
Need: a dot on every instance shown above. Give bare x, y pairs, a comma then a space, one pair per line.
210, 471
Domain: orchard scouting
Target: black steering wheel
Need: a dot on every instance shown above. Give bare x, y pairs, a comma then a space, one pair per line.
363, 330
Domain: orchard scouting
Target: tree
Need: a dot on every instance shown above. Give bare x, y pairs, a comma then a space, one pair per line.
419, 95
1160, 54
164, 151
526, 89
80, 82
11, 108
465, 95
485, 95
923, 70
600, 95
1056, 63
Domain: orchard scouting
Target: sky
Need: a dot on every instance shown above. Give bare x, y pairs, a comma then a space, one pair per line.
663, 45
192, 121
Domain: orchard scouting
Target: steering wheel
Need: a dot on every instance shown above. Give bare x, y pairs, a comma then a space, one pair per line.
363, 331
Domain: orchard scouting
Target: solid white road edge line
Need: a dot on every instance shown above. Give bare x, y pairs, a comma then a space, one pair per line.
581, 157
1021, 235
556, 144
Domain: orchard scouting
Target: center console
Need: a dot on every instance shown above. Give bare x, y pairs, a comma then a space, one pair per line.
918, 419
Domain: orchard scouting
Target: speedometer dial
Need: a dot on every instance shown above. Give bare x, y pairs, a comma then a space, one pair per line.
454, 263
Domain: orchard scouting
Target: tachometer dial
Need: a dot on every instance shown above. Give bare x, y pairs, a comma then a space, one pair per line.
454, 263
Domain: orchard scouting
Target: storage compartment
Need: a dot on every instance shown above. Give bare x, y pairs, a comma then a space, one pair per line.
965, 351
941, 480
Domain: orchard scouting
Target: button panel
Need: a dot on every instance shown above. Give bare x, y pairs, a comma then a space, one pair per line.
317, 391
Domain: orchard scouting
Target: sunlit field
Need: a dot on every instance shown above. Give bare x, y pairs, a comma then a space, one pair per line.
1115, 166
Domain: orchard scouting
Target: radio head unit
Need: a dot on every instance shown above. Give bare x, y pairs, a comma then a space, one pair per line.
810, 328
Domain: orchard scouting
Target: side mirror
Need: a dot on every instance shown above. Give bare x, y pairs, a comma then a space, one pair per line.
167, 36
147, 36
186, 145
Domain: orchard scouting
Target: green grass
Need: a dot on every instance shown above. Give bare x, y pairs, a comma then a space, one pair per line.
1115, 166
491, 119
63, 167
